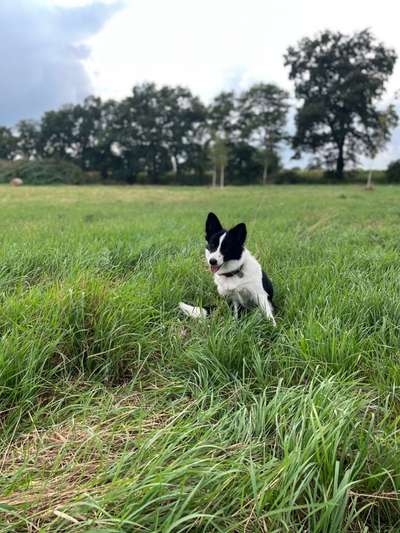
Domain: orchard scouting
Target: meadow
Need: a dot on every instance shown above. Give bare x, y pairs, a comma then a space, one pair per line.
118, 414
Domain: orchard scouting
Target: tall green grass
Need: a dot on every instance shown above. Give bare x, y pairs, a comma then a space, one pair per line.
118, 414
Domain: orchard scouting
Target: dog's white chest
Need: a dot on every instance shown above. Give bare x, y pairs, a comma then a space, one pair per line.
234, 288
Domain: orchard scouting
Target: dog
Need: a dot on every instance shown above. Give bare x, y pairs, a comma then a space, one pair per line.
237, 273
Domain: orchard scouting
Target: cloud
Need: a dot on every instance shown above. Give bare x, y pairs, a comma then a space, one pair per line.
42, 52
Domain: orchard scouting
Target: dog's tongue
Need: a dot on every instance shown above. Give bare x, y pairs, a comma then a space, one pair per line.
214, 268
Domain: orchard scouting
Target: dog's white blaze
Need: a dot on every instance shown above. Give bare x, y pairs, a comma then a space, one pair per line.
217, 254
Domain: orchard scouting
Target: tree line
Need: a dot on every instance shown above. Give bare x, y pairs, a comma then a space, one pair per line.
339, 83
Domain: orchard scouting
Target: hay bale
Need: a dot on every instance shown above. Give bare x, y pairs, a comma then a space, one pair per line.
16, 182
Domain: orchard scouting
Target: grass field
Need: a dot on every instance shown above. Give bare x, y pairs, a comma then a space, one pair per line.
120, 415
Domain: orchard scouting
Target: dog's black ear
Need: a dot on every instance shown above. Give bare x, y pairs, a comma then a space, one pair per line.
213, 225
239, 233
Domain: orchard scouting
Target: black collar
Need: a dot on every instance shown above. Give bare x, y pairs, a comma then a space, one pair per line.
237, 272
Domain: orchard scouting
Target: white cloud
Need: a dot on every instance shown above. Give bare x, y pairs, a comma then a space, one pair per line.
209, 44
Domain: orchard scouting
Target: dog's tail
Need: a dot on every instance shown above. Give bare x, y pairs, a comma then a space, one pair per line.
194, 312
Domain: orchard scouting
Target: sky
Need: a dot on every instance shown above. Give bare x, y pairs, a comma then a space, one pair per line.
58, 51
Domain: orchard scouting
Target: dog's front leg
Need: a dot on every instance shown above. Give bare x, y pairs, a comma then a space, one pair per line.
265, 305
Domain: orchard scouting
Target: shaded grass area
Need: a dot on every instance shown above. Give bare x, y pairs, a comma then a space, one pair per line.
117, 414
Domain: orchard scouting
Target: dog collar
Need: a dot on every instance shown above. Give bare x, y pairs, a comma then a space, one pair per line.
237, 272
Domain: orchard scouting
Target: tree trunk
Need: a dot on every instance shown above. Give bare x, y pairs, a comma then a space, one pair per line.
222, 177
340, 163
265, 173
214, 177
174, 164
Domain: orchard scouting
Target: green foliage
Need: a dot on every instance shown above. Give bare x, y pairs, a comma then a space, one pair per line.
393, 172
8, 144
163, 135
222, 115
219, 152
42, 172
29, 139
159, 130
263, 116
340, 80
120, 414
245, 165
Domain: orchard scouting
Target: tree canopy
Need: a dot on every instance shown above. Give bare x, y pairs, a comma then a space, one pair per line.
8, 144
263, 118
340, 80
167, 132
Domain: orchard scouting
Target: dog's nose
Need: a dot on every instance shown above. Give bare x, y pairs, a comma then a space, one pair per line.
213, 261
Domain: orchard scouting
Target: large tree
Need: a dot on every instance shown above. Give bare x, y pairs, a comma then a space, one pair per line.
263, 113
339, 80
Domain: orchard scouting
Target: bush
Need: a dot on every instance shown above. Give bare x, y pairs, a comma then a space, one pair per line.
170, 178
287, 176
393, 172
42, 172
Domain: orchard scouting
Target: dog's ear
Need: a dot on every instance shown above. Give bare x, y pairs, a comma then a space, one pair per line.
239, 233
213, 225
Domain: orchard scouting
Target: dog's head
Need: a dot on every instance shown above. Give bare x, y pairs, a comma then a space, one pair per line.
224, 247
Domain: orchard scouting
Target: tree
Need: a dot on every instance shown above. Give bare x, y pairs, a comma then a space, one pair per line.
93, 136
57, 134
245, 164
339, 80
29, 145
159, 130
87, 129
222, 130
8, 144
222, 115
269, 160
183, 117
380, 141
263, 115
219, 154
138, 128
393, 172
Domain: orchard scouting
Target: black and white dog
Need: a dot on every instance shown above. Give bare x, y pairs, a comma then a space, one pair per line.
237, 274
